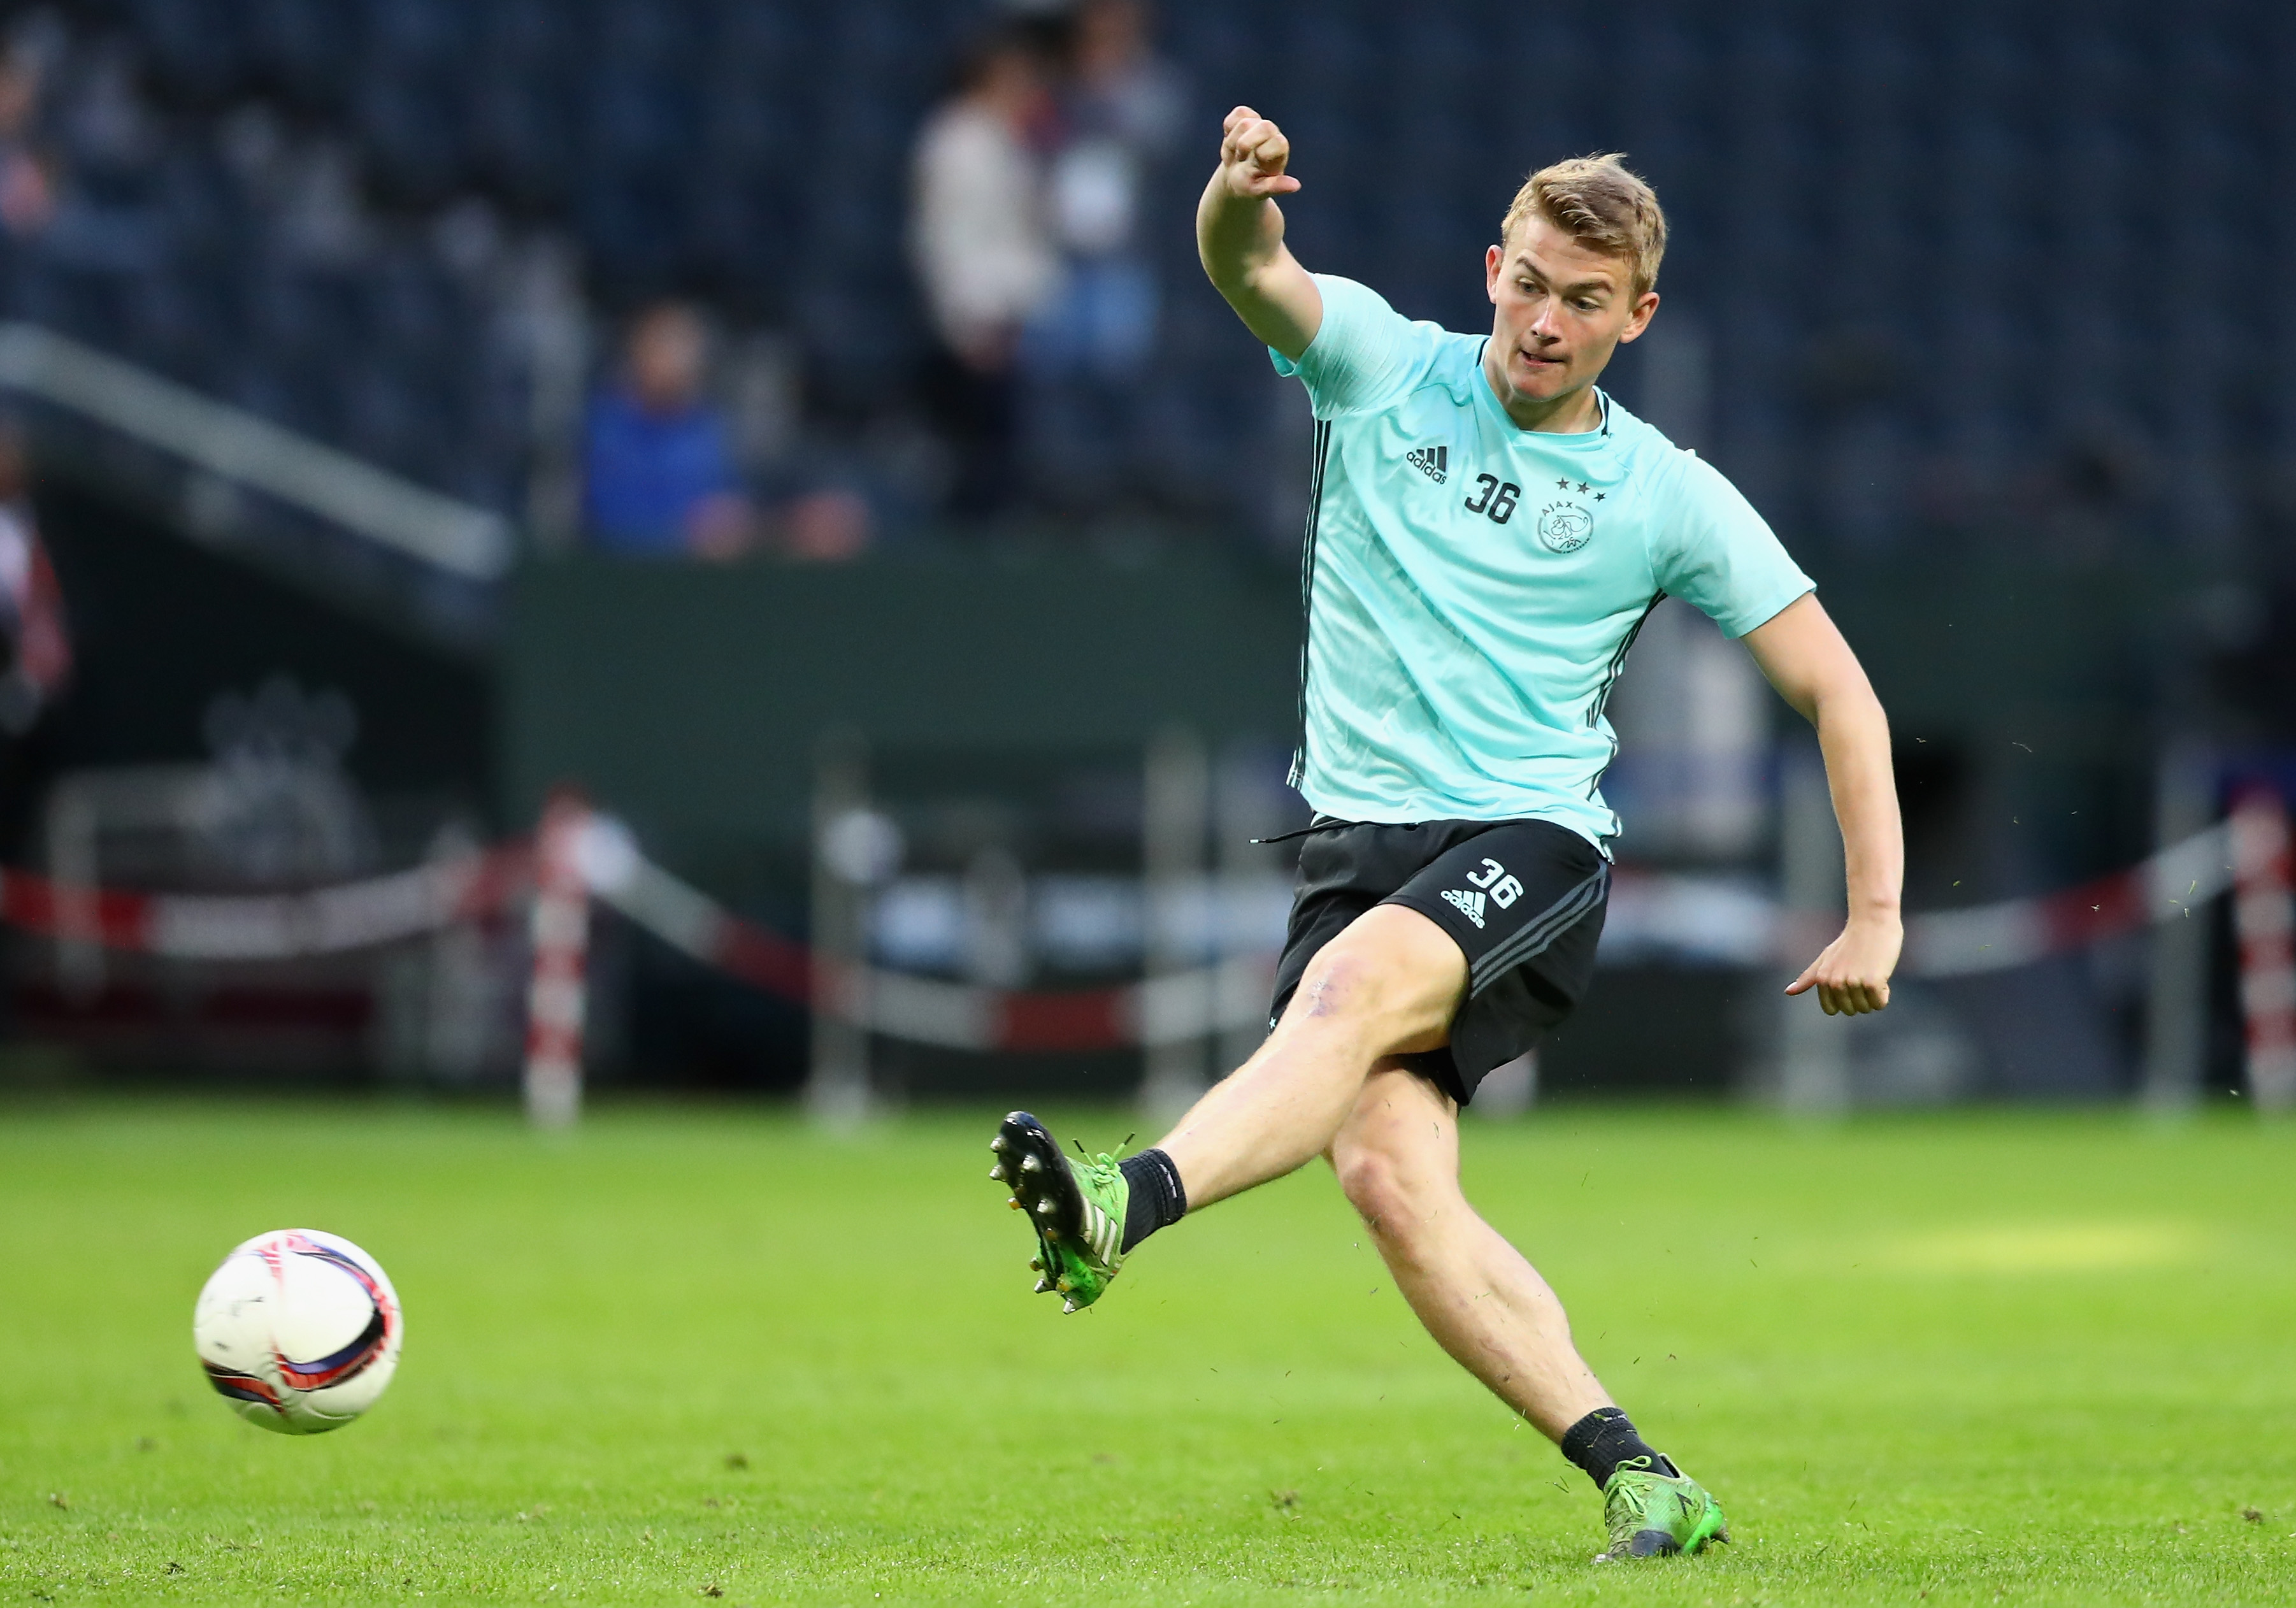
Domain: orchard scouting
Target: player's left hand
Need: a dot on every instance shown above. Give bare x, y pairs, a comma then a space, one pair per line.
1852, 975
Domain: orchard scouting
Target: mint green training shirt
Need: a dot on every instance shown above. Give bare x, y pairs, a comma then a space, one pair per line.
1473, 586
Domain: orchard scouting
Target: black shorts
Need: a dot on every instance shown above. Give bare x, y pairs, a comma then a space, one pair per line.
1523, 899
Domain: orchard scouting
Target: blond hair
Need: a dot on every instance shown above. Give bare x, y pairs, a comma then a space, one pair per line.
1601, 204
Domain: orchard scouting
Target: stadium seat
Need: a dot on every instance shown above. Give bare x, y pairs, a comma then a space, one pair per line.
199, 47
410, 127
302, 50
680, 143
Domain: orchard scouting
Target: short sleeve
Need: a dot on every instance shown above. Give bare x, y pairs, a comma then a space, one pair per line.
1365, 353
1717, 555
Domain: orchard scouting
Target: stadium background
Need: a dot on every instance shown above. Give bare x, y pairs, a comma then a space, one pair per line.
306, 309
1987, 308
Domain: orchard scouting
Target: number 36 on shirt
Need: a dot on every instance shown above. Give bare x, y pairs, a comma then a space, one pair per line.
1494, 499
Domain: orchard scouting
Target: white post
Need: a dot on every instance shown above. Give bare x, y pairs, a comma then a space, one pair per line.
71, 834
2264, 914
557, 995
2177, 1004
1813, 1049
1175, 811
838, 1091
997, 954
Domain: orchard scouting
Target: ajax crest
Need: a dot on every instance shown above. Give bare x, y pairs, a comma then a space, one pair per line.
1564, 527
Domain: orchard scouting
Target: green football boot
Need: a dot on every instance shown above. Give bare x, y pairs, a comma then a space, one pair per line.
1654, 1515
1077, 1209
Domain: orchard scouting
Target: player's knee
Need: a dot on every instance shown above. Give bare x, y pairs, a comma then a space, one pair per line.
1367, 1178
1342, 984
1361, 985
1388, 1192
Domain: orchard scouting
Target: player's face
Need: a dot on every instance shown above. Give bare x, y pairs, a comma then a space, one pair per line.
1562, 310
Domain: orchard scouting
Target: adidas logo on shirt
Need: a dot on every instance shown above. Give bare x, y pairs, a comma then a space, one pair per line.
1433, 462
1469, 905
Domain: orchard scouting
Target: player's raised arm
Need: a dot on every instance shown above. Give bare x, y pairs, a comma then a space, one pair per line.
1240, 236
1805, 658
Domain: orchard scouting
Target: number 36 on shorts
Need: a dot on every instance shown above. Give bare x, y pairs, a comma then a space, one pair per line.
1493, 879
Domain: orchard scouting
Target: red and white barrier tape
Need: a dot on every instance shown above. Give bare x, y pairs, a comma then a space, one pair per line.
1994, 938
325, 920
923, 1010
585, 852
1949, 943
2264, 916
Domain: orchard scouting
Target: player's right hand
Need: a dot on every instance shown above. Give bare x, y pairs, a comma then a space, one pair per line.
1253, 151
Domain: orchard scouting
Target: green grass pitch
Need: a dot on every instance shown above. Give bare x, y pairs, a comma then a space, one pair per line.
695, 1353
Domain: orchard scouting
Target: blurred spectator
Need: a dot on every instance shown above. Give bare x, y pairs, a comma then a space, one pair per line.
1123, 113
659, 478
985, 258
27, 198
33, 633
1085, 353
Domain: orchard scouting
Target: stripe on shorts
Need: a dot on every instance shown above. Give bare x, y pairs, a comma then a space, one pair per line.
1540, 931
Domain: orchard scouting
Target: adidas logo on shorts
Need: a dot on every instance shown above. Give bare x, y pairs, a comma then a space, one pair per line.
1433, 462
1469, 905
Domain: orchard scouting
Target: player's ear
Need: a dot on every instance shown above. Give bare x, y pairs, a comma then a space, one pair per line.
1492, 256
1639, 319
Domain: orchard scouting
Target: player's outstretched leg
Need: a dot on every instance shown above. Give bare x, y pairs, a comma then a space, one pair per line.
1077, 1210
1398, 1160
1386, 984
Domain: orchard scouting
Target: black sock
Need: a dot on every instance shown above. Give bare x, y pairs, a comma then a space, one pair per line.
1604, 1438
1158, 1200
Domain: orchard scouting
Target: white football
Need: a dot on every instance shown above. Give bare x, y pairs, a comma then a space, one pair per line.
299, 1331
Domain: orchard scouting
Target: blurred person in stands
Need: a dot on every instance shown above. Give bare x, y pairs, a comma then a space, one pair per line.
1121, 110
659, 478
36, 650
28, 197
33, 635
985, 258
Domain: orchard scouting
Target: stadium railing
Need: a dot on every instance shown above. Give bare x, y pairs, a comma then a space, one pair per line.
321, 517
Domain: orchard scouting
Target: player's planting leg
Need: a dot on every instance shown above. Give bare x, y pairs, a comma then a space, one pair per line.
1398, 1160
1653, 1511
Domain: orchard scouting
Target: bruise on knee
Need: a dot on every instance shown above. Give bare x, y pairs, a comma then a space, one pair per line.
1336, 985
1354, 994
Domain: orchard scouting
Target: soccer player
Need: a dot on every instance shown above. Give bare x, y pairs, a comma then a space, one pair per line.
1488, 531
